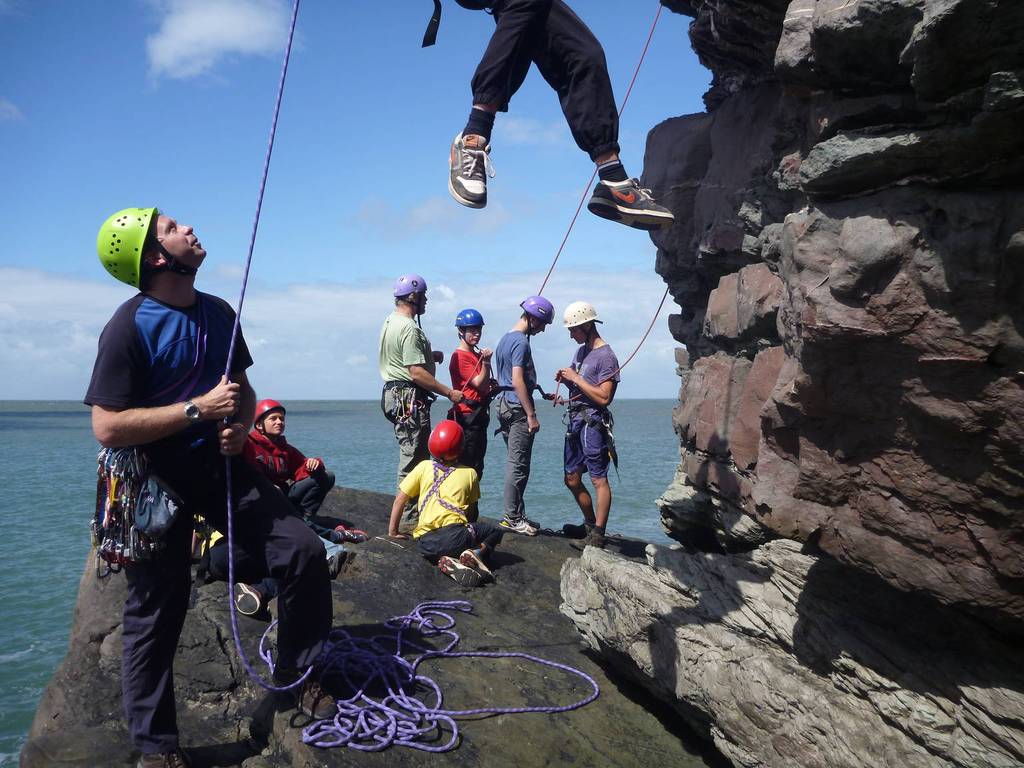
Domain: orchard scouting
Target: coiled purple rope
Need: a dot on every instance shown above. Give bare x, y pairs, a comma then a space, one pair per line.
227, 371
376, 665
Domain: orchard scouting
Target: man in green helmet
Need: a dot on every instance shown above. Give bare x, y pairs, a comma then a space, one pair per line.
158, 384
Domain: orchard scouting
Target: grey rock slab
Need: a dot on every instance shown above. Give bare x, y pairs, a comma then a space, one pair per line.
785, 660
226, 720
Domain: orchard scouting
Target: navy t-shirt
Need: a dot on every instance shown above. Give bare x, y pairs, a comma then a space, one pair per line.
152, 354
514, 350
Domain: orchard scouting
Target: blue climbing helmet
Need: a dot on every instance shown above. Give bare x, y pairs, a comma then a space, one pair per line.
468, 318
411, 283
539, 307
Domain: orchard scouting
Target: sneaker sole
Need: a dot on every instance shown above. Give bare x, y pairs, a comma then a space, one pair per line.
645, 220
464, 200
470, 560
457, 572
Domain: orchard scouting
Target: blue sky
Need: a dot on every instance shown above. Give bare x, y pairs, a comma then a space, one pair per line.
107, 104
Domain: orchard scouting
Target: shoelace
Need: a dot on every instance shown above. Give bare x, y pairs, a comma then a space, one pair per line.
471, 163
644, 192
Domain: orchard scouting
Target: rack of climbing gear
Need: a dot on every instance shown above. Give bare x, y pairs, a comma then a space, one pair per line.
389, 701
120, 475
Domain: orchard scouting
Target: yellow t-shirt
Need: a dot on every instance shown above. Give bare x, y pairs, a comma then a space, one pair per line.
460, 489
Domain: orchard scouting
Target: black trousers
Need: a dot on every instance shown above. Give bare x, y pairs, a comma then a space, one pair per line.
453, 540
474, 438
274, 542
547, 33
308, 494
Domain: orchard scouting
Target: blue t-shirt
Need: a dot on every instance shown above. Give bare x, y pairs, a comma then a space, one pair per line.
514, 350
152, 354
596, 366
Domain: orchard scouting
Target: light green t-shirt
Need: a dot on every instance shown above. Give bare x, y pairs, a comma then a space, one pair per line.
403, 343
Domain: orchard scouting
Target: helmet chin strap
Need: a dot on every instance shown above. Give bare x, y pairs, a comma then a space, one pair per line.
173, 265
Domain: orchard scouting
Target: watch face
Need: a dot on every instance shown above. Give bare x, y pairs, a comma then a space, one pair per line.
192, 411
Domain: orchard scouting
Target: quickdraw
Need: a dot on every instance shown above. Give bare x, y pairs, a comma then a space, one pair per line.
408, 405
120, 473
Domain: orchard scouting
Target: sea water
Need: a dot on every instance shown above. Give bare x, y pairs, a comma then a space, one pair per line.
48, 487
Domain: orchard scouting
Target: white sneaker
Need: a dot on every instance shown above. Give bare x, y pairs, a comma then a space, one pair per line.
519, 526
469, 165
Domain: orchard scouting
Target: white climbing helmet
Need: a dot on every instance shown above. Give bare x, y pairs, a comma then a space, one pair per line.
578, 313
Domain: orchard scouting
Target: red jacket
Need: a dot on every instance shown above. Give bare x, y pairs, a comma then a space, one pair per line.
282, 463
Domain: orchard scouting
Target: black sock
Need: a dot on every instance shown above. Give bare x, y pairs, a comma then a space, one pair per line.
479, 124
598, 529
613, 170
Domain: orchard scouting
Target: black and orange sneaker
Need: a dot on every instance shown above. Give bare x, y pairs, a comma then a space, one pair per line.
626, 202
469, 165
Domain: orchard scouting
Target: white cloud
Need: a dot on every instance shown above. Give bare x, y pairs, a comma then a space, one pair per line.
510, 129
8, 111
435, 215
195, 34
320, 340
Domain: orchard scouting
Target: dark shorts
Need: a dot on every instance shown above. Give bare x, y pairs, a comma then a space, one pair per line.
586, 449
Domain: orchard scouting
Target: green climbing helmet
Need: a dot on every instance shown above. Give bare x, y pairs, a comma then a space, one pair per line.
119, 243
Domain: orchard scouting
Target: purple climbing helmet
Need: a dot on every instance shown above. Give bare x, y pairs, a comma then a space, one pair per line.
539, 307
411, 283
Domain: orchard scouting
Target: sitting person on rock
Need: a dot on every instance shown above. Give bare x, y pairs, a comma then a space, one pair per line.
304, 481
253, 588
446, 491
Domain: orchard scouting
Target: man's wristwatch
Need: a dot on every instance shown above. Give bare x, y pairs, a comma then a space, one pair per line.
192, 411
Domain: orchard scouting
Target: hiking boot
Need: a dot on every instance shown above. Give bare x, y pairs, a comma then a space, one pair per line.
626, 202
312, 700
176, 759
571, 531
459, 573
248, 600
518, 526
593, 539
469, 165
471, 559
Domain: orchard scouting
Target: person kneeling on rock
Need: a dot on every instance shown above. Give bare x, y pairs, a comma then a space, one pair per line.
446, 491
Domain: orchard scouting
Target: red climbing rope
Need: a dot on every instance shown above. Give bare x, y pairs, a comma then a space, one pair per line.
631, 355
586, 191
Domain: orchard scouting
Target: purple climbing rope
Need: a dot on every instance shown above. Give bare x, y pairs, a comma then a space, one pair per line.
227, 372
385, 705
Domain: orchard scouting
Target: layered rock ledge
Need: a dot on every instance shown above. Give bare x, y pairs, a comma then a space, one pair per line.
848, 261
225, 720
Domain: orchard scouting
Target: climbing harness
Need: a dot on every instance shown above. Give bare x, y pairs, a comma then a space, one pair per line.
388, 701
601, 419
430, 35
441, 473
410, 400
120, 476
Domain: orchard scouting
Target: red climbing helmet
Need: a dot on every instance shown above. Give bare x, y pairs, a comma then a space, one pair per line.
445, 442
263, 407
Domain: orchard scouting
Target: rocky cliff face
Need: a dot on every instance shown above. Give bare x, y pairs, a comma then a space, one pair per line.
848, 260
